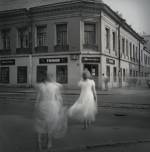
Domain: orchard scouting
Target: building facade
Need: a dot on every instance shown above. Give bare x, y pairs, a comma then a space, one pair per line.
66, 37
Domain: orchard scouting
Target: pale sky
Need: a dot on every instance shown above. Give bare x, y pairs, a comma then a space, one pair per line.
136, 13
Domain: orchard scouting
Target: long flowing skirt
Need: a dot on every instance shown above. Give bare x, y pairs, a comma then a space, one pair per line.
51, 118
85, 108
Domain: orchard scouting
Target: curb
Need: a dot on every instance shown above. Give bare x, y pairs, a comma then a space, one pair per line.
95, 146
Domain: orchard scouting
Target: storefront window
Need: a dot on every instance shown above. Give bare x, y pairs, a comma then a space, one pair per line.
41, 73
124, 74
115, 74
4, 74
108, 72
62, 73
130, 73
22, 74
92, 68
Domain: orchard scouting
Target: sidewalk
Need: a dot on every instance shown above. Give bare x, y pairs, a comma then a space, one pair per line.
76, 91
78, 139
17, 134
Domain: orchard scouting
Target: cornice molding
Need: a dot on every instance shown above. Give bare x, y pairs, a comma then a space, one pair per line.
12, 13
88, 6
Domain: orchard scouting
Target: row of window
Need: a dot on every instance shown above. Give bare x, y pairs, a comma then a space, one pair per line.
61, 74
131, 49
24, 36
21, 74
146, 59
123, 73
115, 74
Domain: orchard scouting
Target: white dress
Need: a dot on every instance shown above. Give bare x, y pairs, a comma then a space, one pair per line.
85, 108
50, 112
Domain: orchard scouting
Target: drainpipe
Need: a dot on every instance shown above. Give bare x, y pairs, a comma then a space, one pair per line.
119, 59
139, 59
30, 71
100, 76
31, 47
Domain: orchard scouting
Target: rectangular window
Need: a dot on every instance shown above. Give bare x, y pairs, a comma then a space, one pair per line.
133, 73
114, 41
23, 38
4, 74
127, 49
130, 72
41, 36
62, 73
108, 72
61, 34
123, 45
107, 38
124, 74
41, 73
136, 73
90, 33
141, 55
5, 39
22, 74
137, 54
115, 74
131, 51
92, 68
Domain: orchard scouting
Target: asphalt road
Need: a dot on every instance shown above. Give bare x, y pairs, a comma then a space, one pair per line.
126, 112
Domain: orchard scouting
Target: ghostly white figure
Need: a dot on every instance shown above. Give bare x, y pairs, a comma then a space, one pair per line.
51, 120
85, 108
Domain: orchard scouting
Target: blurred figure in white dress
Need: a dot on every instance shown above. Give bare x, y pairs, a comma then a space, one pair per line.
85, 108
51, 120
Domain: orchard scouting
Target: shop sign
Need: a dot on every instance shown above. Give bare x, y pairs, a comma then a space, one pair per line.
53, 60
7, 62
91, 59
110, 61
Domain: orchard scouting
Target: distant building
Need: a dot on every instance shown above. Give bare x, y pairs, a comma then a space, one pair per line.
64, 38
146, 54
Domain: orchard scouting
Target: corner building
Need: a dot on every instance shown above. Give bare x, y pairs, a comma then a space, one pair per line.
63, 38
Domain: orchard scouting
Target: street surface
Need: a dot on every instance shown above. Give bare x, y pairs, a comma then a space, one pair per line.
122, 124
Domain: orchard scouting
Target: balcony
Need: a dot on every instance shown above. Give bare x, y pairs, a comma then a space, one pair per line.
90, 46
41, 49
23, 51
5, 51
61, 48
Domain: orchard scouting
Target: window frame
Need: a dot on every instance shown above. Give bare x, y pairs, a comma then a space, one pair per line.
115, 74
4, 77
61, 35
62, 78
41, 36
107, 32
41, 72
5, 38
108, 72
24, 34
24, 79
90, 34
